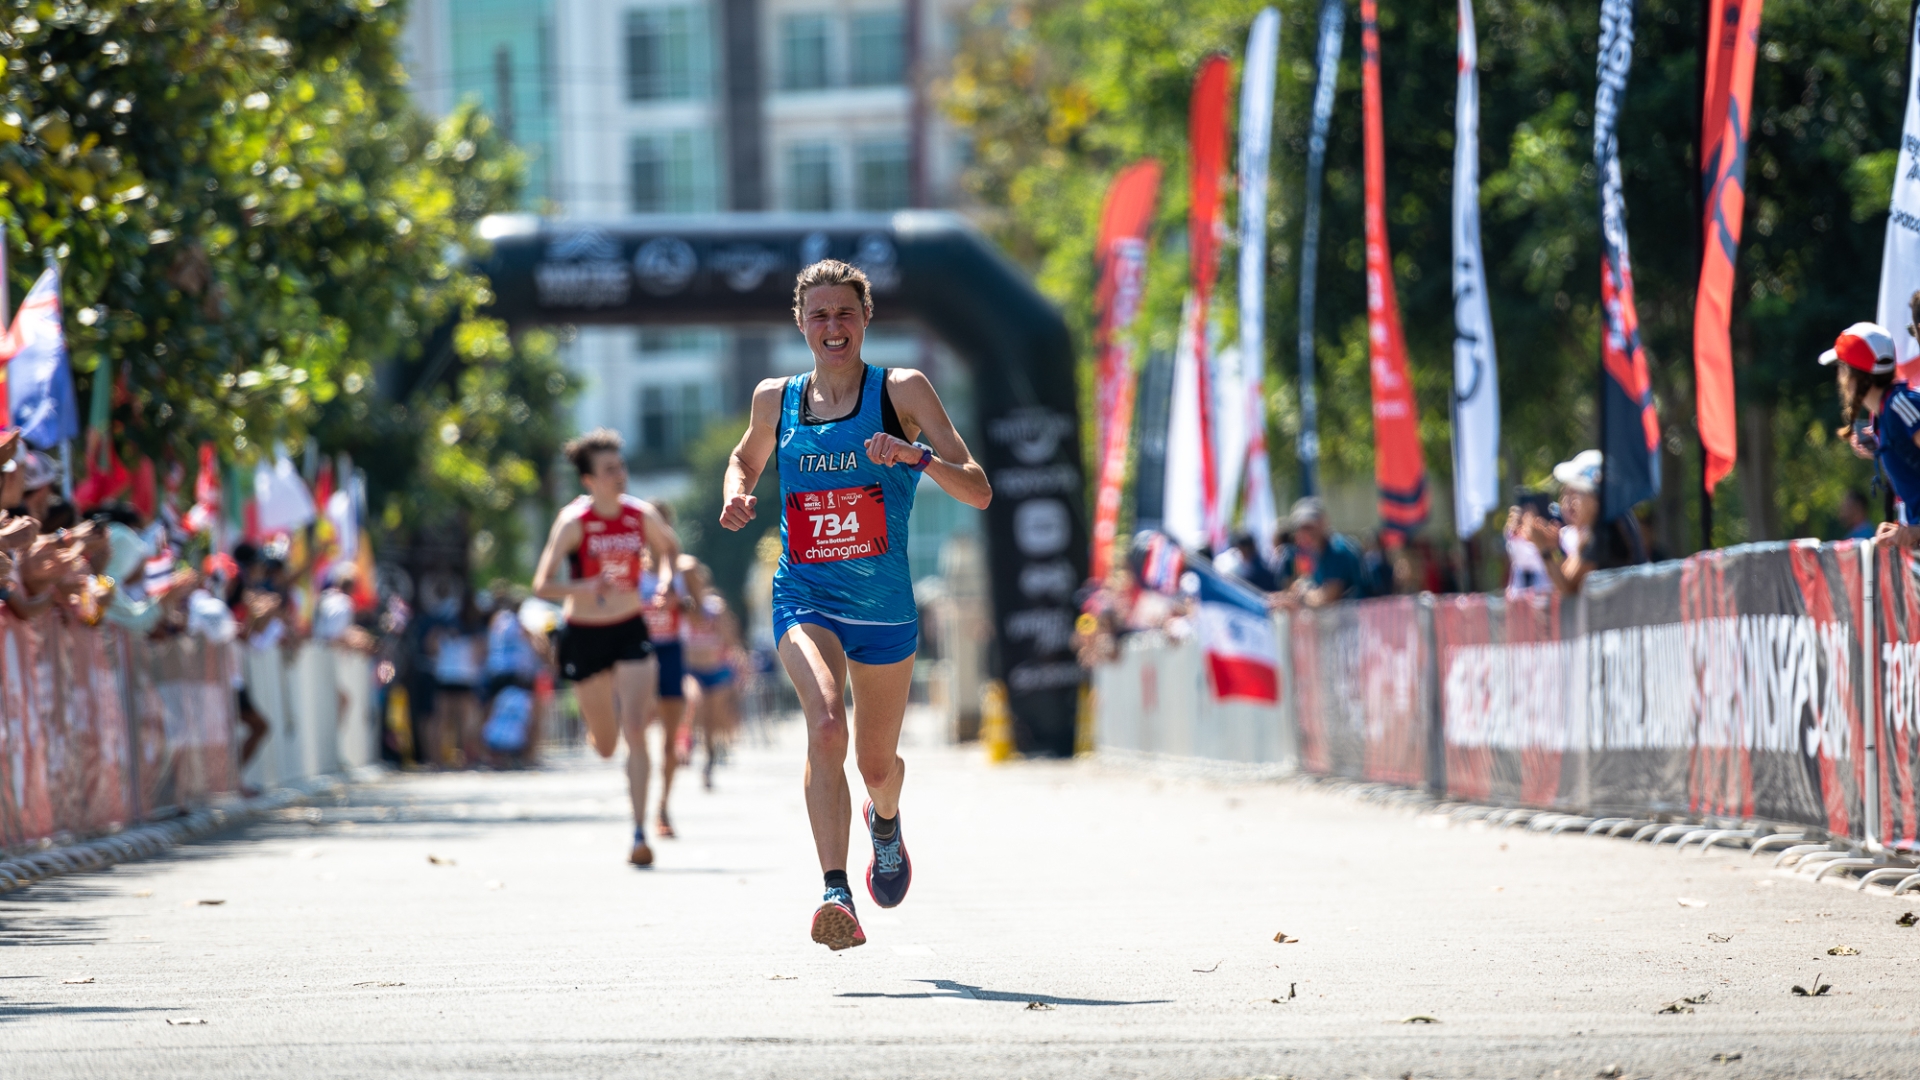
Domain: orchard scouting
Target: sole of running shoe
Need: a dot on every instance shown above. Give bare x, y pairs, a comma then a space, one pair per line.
836, 928
642, 855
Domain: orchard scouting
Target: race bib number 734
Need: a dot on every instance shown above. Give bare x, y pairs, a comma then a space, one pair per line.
833, 526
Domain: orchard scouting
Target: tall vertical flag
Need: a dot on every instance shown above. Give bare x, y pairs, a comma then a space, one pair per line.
1121, 256
1333, 22
1733, 37
1629, 429
39, 383
1183, 505
1476, 375
1900, 259
1399, 470
1206, 164
1256, 136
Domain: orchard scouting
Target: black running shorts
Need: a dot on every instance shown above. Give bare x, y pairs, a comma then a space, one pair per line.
586, 650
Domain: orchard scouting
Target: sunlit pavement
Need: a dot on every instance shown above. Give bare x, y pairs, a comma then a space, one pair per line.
1066, 920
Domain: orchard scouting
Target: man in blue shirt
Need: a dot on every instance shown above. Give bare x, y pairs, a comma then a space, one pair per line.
1336, 573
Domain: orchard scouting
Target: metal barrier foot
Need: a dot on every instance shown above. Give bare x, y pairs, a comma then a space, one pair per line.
1871, 876
1760, 845
1842, 864
1906, 883
1797, 851
1606, 823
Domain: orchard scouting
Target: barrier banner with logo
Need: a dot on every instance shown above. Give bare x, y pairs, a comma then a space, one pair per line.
1360, 677
1897, 593
181, 696
1508, 704
1724, 685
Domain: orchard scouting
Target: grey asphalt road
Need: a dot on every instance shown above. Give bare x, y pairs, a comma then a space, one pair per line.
1068, 920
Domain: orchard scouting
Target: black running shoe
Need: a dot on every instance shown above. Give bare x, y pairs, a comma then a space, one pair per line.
891, 870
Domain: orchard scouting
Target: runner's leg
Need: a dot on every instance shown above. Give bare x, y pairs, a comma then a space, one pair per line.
635, 684
673, 713
818, 667
879, 706
594, 695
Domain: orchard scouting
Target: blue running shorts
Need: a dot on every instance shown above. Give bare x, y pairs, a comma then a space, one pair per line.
865, 643
672, 671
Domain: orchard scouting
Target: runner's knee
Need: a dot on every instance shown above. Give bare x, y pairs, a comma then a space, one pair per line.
876, 769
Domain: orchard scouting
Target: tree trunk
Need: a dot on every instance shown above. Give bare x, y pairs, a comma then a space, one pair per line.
1756, 471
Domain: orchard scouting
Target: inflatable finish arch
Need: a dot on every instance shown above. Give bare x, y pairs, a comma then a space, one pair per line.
738, 269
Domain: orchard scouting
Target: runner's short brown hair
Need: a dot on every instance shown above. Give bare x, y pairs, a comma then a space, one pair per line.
829, 272
581, 450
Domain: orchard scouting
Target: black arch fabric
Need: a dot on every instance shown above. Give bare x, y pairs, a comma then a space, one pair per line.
738, 270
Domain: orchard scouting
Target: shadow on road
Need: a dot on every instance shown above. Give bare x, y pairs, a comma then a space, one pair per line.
947, 988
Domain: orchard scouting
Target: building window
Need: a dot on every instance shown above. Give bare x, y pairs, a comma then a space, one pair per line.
663, 339
666, 53
880, 175
810, 176
671, 172
803, 52
879, 49
671, 418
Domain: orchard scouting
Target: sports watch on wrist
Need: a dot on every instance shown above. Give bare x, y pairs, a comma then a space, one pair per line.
926, 458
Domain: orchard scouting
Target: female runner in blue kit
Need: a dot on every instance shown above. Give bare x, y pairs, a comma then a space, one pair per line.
843, 606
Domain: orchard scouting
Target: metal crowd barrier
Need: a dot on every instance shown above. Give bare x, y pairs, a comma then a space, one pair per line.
1765, 696
101, 729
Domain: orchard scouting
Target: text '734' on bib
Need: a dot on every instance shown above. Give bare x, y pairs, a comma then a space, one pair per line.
836, 525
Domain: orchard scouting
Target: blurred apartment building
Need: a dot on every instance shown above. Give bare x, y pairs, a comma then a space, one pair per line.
683, 106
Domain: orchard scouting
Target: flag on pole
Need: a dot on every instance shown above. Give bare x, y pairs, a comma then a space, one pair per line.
1900, 258
39, 383
106, 476
1333, 22
1121, 255
1236, 635
1733, 37
1257, 512
1183, 509
1399, 469
1206, 164
1629, 429
1476, 374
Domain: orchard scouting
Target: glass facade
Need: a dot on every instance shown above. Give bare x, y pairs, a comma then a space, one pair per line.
672, 172
877, 49
669, 53
881, 180
805, 52
810, 176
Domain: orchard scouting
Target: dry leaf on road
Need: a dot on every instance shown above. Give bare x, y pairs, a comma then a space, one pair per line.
1039, 1006
1283, 939
1906, 920
1819, 989
1211, 970
1727, 1059
184, 1021
77, 982
778, 978
374, 982
1421, 1019
440, 860
210, 903
1688, 901
1843, 950
1719, 939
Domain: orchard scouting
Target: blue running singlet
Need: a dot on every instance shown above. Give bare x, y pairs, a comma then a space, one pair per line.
843, 519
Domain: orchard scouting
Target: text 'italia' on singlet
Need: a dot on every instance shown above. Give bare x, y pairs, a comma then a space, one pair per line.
843, 520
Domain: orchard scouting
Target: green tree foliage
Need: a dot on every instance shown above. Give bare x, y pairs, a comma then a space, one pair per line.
1060, 95
268, 242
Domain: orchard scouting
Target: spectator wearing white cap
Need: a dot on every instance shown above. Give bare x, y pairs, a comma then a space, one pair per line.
1879, 418
1582, 544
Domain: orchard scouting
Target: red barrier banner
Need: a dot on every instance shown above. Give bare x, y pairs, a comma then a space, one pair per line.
73, 761
1360, 683
1897, 592
1507, 698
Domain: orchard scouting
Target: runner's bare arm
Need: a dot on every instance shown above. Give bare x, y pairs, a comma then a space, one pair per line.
922, 415
664, 545
547, 580
750, 456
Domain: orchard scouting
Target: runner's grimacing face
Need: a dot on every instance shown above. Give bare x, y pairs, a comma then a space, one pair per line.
609, 476
834, 322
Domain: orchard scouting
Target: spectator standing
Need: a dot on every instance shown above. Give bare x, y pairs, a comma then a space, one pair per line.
1243, 561
1336, 572
1582, 544
1856, 520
